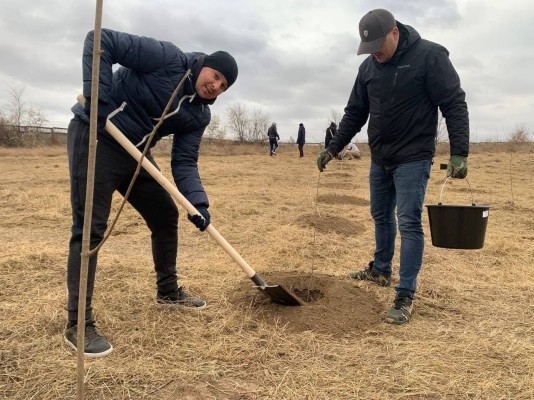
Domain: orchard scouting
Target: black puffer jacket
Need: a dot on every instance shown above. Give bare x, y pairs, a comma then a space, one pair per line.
401, 98
149, 73
301, 137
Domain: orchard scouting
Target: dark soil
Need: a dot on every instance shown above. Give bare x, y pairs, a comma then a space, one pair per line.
331, 305
342, 199
331, 223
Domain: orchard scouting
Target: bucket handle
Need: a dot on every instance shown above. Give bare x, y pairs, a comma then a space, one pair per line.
443, 186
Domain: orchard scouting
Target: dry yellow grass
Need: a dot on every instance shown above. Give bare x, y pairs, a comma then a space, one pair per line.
471, 336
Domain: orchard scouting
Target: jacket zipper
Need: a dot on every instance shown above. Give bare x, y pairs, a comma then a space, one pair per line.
394, 84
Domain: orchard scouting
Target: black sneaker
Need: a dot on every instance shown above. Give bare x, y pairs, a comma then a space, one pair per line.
181, 299
95, 344
369, 275
401, 312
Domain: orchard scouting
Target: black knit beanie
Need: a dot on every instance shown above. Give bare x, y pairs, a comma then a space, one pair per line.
224, 63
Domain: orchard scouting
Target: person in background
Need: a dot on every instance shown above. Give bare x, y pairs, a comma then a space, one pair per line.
272, 133
400, 88
149, 72
301, 139
331, 131
351, 152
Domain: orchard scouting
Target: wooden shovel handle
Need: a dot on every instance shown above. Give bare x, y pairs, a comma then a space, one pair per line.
173, 191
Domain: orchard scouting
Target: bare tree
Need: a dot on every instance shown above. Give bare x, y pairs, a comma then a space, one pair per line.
213, 127
221, 132
16, 116
238, 120
16, 107
215, 130
35, 117
258, 125
248, 126
519, 135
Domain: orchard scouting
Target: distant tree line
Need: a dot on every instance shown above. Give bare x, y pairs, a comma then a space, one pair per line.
21, 124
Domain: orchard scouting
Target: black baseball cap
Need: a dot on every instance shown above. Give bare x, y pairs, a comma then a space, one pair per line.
374, 26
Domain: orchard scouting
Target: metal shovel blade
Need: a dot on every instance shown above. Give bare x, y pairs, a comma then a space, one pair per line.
280, 295
277, 293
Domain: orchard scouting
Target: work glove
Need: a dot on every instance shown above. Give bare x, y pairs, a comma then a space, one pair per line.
457, 167
202, 220
324, 158
103, 112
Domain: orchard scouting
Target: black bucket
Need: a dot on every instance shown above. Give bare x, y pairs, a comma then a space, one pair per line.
458, 227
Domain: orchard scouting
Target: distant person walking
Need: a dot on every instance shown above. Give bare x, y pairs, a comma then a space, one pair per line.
272, 133
301, 139
331, 131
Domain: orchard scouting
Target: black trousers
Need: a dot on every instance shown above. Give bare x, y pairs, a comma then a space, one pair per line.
113, 172
301, 149
273, 145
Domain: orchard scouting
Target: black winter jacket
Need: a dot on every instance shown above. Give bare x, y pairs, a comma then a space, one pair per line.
149, 73
272, 133
331, 131
401, 98
301, 138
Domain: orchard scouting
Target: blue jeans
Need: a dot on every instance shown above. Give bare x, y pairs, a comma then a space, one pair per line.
400, 186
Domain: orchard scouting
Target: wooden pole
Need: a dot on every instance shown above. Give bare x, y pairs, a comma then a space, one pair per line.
86, 239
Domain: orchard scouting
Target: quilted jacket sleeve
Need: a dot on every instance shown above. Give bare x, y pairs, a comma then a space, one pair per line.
185, 167
137, 53
443, 85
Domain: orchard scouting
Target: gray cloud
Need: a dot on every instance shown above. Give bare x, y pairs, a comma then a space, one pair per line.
297, 59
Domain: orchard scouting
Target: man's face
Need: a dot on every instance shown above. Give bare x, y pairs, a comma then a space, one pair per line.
389, 47
210, 83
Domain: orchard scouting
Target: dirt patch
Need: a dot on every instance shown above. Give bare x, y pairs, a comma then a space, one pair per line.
331, 223
340, 174
342, 199
331, 305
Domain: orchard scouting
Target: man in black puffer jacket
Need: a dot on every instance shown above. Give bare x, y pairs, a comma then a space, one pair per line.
149, 72
400, 87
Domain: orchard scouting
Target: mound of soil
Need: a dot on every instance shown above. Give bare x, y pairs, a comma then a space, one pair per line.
331, 223
342, 199
331, 305
340, 174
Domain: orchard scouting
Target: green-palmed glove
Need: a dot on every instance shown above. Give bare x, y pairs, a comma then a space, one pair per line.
324, 158
457, 167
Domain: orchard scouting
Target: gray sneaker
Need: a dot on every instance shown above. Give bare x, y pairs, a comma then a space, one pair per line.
369, 274
401, 312
95, 346
181, 299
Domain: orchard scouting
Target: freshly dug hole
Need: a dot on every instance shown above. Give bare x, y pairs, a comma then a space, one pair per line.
331, 305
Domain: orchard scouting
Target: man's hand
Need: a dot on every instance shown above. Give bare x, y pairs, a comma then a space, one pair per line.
457, 167
324, 158
202, 220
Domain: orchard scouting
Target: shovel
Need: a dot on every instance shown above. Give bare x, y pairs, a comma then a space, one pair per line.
277, 293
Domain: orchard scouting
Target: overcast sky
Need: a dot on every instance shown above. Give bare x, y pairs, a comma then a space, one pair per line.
297, 58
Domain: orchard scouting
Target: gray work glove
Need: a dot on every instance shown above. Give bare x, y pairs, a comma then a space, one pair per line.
457, 167
324, 158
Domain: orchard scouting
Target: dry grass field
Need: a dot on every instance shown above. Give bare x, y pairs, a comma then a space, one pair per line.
471, 336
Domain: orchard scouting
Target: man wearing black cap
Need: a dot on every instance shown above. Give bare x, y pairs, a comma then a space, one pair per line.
150, 71
400, 88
